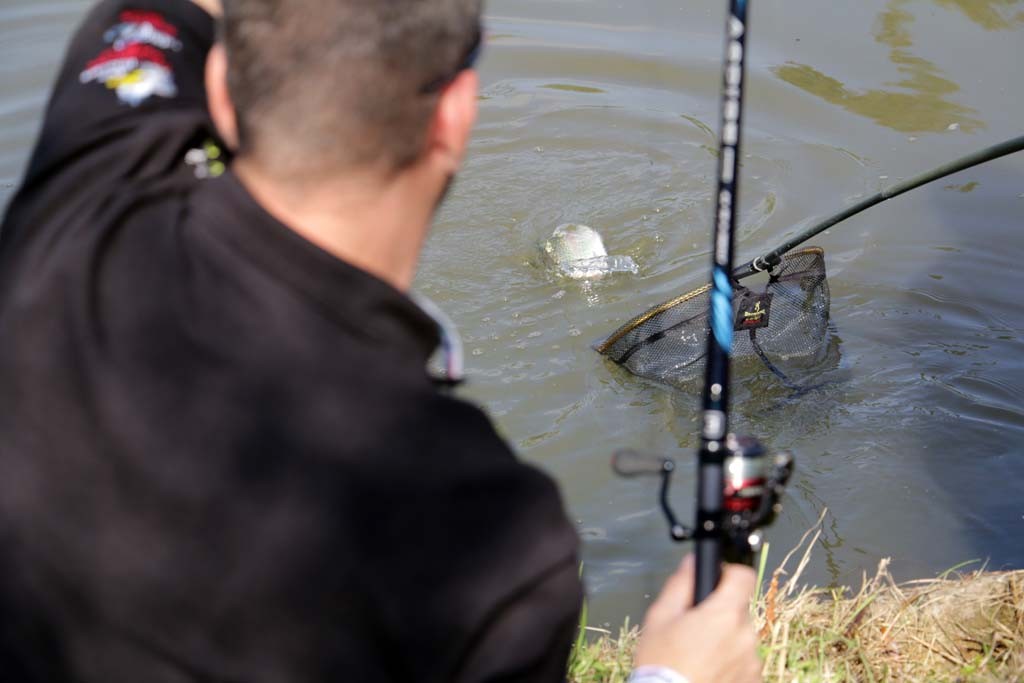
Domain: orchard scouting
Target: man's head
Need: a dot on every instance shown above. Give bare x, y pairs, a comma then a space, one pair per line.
323, 87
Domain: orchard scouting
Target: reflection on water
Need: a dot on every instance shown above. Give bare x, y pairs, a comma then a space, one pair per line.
989, 14
572, 88
927, 106
965, 188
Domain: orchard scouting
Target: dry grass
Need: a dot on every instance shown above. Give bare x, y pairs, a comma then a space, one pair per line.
956, 628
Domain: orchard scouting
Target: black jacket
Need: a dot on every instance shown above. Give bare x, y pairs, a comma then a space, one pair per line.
221, 457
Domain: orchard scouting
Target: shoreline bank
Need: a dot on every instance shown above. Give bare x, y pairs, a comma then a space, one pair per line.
962, 627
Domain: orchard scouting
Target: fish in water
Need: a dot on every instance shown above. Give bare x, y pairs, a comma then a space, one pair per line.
577, 251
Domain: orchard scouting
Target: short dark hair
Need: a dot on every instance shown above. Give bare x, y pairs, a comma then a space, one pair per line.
327, 85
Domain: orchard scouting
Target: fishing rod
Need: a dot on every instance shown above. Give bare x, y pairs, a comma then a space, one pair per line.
738, 484
715, 397
768, 261
725, 526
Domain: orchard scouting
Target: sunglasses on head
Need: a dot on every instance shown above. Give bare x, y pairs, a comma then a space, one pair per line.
468, 60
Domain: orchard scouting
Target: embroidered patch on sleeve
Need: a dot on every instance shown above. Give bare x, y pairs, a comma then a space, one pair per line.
144, 28
134, 66
135, 72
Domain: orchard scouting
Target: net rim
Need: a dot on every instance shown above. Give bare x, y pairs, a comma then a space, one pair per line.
639, 320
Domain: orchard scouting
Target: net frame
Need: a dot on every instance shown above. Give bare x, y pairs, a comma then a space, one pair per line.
667, 342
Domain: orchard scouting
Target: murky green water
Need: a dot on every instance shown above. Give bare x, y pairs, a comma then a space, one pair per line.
605, 113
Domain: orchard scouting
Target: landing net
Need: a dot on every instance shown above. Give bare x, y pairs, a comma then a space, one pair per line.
784, 323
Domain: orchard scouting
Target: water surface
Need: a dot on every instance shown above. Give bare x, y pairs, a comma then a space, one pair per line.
605, 113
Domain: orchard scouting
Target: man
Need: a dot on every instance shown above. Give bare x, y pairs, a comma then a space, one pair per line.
222, 456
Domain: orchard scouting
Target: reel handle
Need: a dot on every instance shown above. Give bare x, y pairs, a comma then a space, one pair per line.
752, 483
632, 463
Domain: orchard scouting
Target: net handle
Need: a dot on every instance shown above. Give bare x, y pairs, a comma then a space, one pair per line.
772, 258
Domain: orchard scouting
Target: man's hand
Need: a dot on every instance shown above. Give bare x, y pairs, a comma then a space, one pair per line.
212, 6
711, 643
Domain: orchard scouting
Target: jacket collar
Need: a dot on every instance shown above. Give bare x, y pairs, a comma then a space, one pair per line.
350, 296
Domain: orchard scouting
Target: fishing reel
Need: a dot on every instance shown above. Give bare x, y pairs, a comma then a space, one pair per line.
754, 483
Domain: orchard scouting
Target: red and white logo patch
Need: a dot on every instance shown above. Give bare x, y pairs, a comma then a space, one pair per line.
134, 66
135, 71
144, 28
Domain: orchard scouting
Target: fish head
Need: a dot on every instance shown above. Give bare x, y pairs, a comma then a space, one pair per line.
573, 242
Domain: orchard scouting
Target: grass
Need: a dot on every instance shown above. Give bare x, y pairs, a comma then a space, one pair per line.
606, 658
962, 627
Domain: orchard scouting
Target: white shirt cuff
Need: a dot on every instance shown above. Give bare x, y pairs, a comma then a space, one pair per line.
656, 674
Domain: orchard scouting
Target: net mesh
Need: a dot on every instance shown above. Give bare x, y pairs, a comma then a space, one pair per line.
784, 323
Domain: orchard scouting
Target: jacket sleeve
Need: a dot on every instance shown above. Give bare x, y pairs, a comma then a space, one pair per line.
516, 578
474, 566
529, 640
128, 61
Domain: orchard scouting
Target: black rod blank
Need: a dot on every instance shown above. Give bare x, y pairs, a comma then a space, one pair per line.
715, 403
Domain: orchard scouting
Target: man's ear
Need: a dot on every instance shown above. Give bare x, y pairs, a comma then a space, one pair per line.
454, 119
222, 109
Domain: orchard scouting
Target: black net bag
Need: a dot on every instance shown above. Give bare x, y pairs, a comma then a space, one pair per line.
784, 323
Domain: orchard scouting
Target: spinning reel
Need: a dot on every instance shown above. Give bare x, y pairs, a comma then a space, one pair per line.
754, 483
